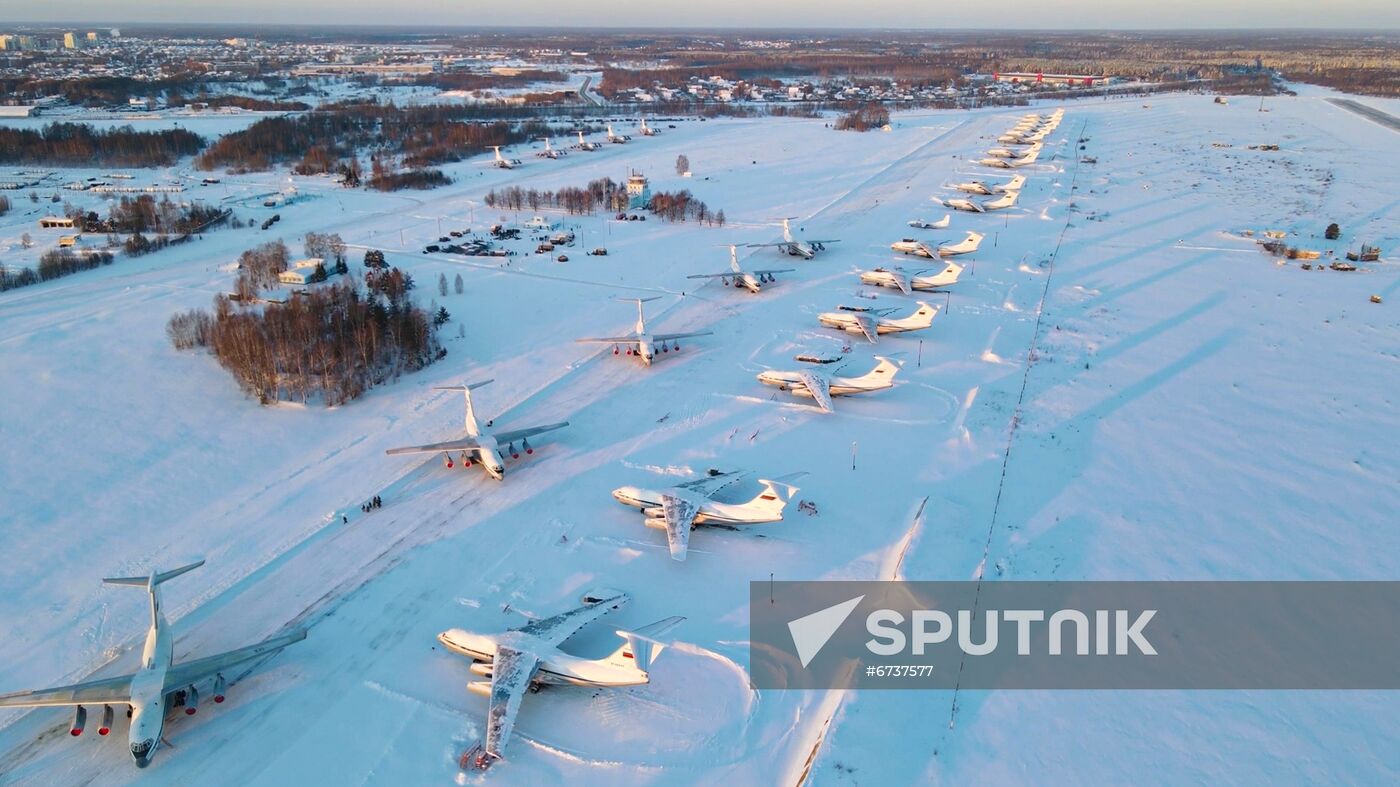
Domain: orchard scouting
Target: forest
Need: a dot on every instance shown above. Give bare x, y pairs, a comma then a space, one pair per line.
78, 144
331, 343
327, 139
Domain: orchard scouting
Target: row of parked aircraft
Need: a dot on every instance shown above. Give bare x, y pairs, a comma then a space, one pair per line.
551, 152
1024, 141
527, 658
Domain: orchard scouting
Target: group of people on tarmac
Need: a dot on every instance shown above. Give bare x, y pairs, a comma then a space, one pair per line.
371, 504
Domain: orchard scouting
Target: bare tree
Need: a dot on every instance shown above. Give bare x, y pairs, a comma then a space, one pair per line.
682, 164
442, 284
458, 284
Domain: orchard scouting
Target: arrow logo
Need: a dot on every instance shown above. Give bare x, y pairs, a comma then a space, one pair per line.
810, 633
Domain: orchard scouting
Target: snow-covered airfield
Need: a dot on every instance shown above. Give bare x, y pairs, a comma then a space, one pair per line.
1177, 407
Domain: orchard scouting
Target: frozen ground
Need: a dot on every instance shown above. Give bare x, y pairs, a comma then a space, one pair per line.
1187, 409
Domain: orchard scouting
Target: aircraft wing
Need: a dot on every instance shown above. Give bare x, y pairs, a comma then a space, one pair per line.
770, 271
680, 518
666, 337
867, 326
710, 485
199, 669
511, 671
901, 280
107, 691
782, 243
820, 388
609, 340
726, 274
823, 240
465, 444
518, 434
554, 630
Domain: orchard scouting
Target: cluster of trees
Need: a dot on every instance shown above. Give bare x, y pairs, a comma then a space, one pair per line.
327, 246
864, 118
683, 206
144, 213
258, 268
411, 179
138, 244
335, 342
604, 193
607, 194
78, 144
63, 262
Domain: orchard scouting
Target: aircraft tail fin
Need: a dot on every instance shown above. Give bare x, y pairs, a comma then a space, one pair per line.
774, 497
882, 375
470, 418
922, 318
641, 647
153, 579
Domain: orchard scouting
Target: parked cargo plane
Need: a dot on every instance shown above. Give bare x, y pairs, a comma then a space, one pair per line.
528, 658
1010, 163
872, 323
820, 386
584, 144
550, 152
480, 445
1009, 153
503, 163
753, 280
941, 224
158, 685
806, 249
641, 343
648, 131
616, 139
899, 279
683, 507
973, 206
921, 249
985, 189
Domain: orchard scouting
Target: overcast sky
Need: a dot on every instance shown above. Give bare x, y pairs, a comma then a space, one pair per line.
924, 14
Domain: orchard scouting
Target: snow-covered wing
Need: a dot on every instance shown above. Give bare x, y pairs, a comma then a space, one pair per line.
901, 280
464, 444
93, 692
554, 630
189, 672
608, 340
519, 434
726, 275
666, 337
709, 485
866, 325
680, 518
820, 388
511, 671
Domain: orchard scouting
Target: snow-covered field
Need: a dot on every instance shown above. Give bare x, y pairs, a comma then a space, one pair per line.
1122, 387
